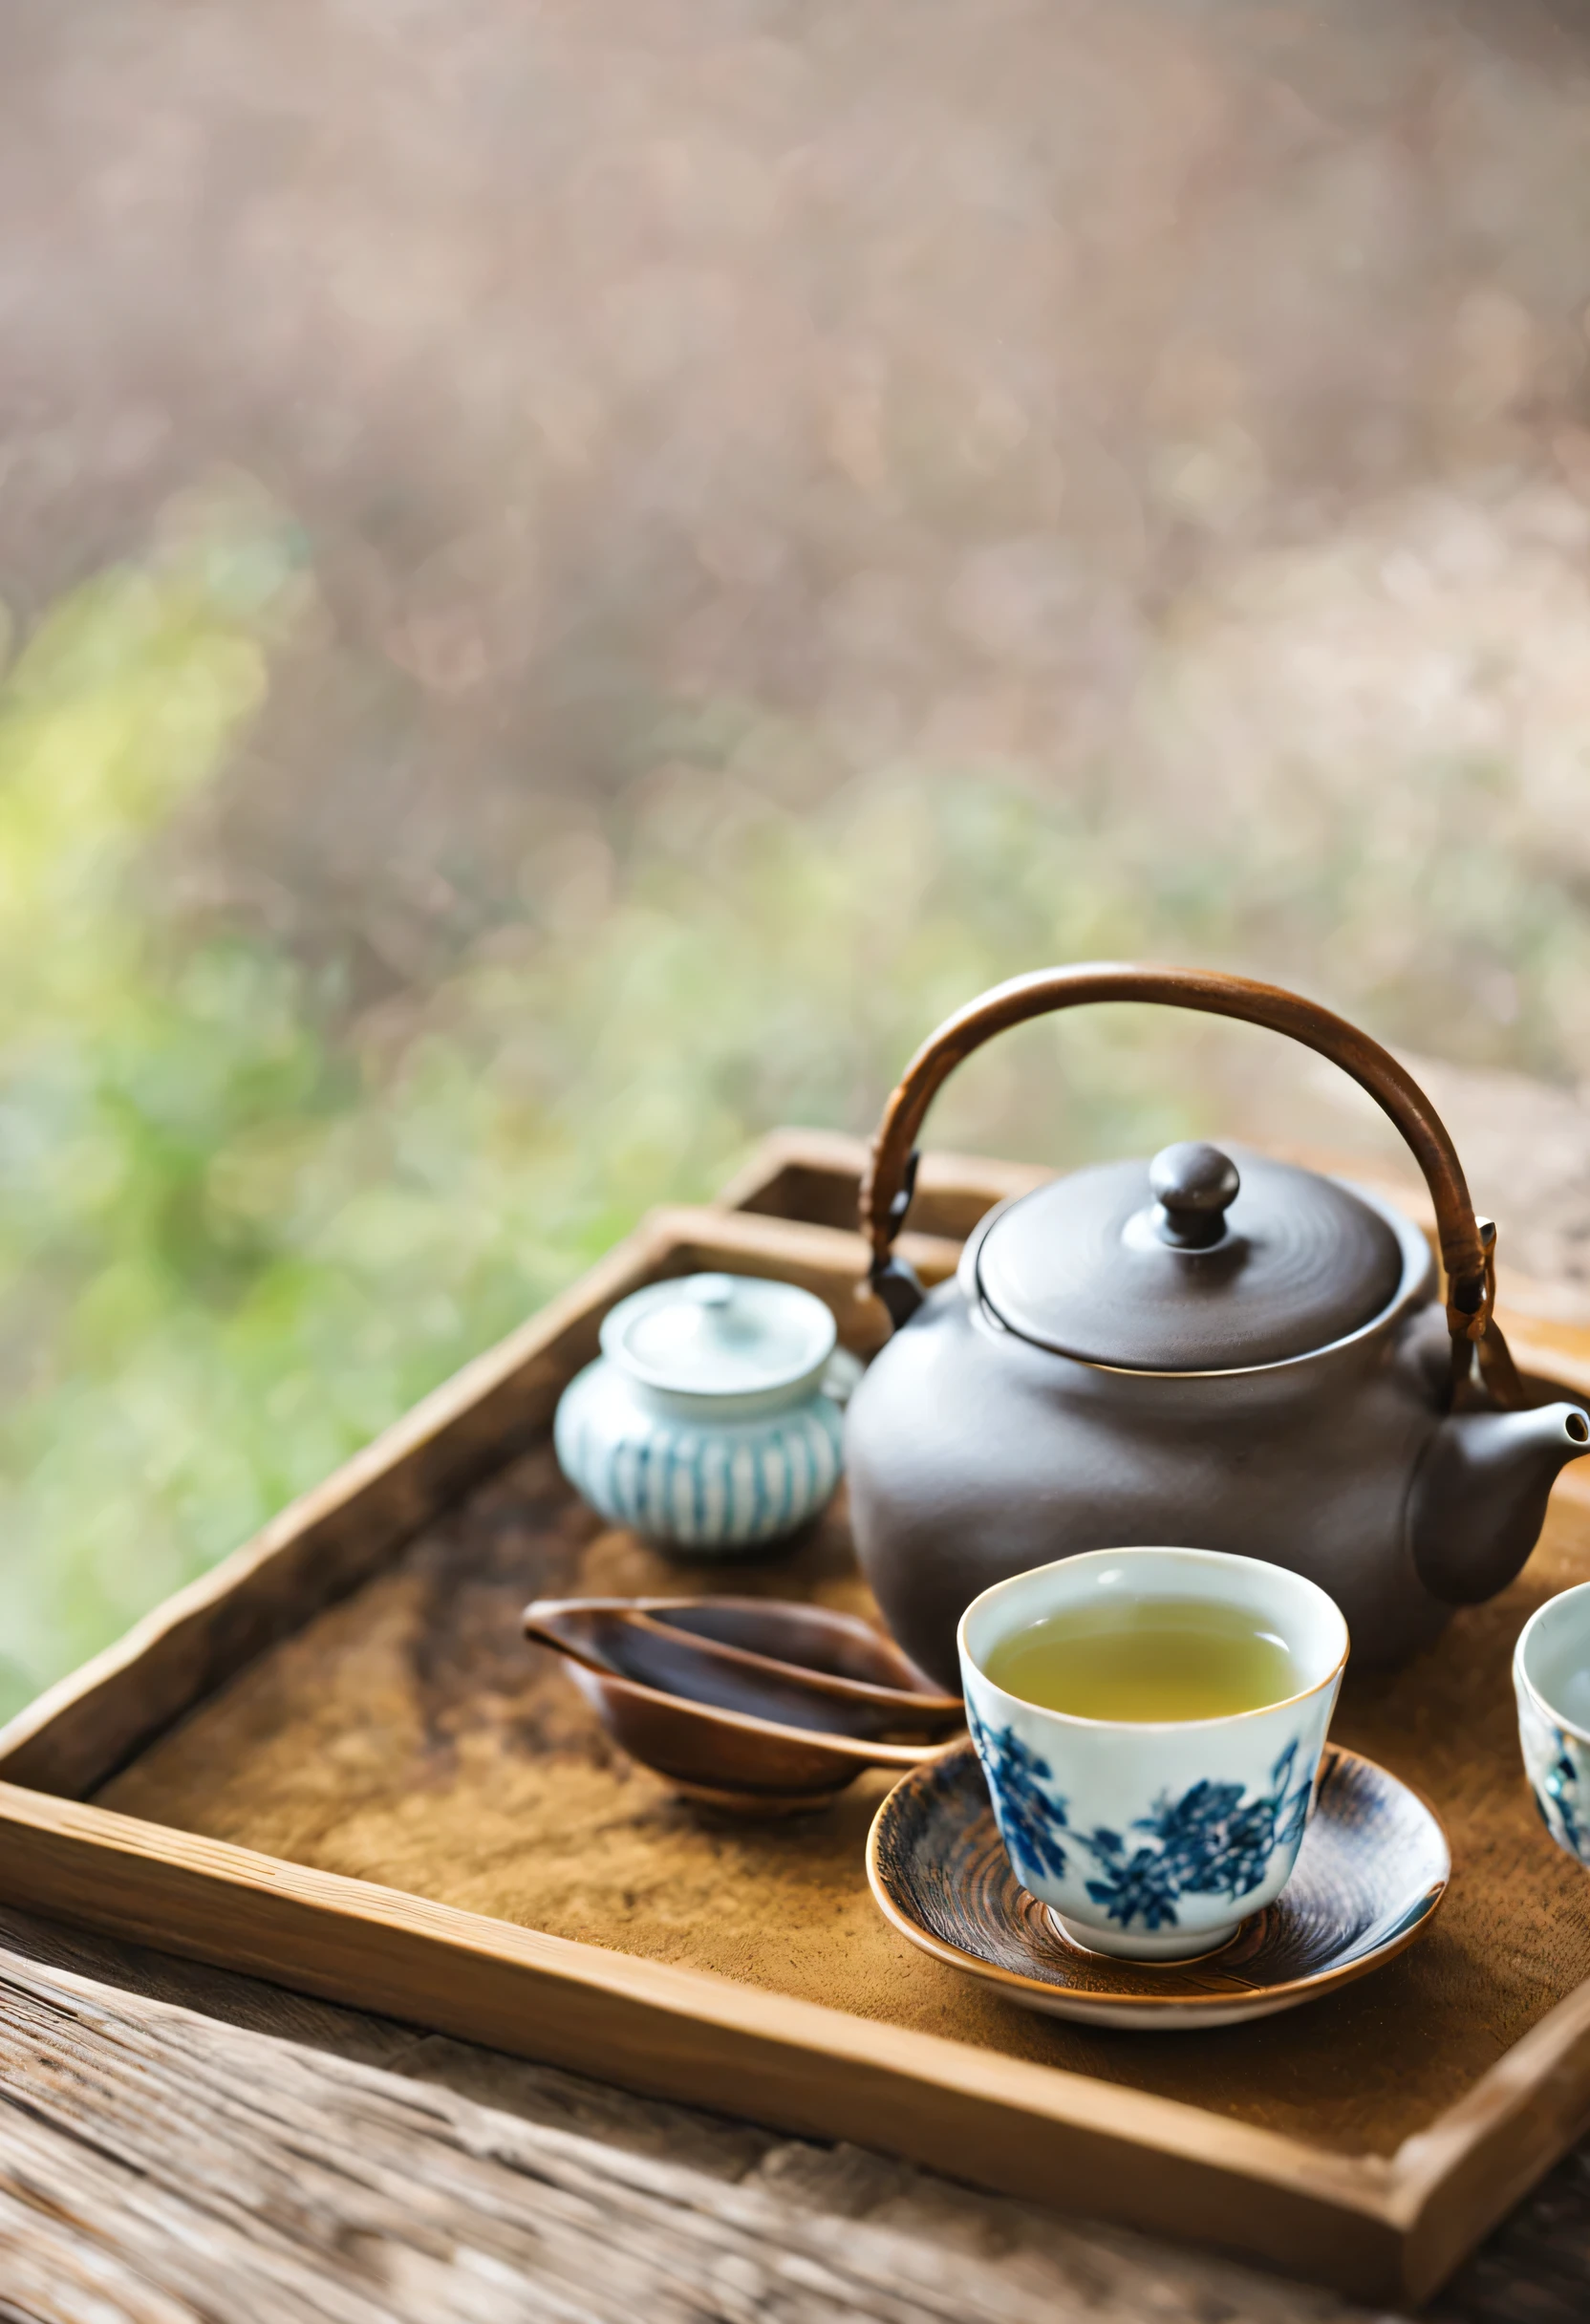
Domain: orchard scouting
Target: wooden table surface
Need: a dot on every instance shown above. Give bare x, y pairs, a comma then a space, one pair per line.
180, 2146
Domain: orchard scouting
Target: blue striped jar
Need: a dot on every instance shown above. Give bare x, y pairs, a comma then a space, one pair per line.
710, 1422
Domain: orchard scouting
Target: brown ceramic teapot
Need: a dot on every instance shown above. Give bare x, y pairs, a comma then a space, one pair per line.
1211, 1349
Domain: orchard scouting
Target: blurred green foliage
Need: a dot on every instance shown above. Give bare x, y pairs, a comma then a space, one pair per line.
240, 1232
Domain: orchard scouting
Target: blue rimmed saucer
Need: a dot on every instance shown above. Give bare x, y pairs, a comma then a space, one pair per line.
1373, 1867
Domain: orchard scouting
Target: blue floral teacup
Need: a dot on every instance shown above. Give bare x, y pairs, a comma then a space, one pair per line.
1551, 1678
1155, 1841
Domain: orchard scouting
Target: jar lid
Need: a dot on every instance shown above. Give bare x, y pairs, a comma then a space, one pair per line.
1189, 1264
720, 1335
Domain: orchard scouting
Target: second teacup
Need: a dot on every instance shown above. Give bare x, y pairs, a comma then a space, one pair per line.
1153, 1838
1551, 1679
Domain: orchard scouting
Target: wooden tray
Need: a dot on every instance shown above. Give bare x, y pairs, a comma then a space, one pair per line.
334, 1762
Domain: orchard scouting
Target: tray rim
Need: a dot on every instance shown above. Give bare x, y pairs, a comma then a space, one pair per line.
1374, 2226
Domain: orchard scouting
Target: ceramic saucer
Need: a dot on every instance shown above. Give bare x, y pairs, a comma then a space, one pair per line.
1373, 1867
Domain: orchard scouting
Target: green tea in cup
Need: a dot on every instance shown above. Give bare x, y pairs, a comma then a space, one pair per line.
1150, 1723
1147, 1659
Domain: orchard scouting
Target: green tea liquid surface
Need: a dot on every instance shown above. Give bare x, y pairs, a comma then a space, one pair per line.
1152, 1659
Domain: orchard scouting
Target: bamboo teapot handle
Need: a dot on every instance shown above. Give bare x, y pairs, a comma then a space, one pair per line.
1468, 1244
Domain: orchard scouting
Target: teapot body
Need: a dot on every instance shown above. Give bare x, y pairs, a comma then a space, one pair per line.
974, 1455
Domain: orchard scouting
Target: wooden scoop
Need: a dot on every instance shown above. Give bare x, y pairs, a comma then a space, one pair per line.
749, 1703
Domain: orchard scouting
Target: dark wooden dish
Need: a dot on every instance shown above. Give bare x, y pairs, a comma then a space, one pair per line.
749, 1705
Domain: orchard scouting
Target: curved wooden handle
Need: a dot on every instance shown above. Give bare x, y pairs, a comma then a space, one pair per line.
1468, 1244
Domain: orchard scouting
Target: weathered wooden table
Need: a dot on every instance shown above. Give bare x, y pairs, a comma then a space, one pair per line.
180, 2146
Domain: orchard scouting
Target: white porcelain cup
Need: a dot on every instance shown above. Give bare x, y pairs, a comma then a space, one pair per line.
1155, 1842
1551, 1679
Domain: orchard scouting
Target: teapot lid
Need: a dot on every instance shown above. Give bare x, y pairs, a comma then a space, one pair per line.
1185, 1264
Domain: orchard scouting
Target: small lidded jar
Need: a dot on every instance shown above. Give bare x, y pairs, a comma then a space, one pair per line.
711, 1419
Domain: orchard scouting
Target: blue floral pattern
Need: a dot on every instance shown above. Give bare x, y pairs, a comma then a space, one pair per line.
1560, 1782
1558, 1766
1211, 1841
1029, 1813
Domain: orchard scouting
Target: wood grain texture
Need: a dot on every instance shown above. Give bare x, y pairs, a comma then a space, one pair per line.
1532, 2271
1014, 2125
156, 2168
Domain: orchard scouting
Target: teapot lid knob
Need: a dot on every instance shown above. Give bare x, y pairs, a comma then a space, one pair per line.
1195, 1184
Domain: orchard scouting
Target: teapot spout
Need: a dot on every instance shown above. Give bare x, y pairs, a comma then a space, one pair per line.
1479, 1498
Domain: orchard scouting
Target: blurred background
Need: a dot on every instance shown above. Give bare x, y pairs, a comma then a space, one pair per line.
571, 579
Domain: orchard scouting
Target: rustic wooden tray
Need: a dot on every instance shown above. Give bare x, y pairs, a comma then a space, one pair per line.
334, 1762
